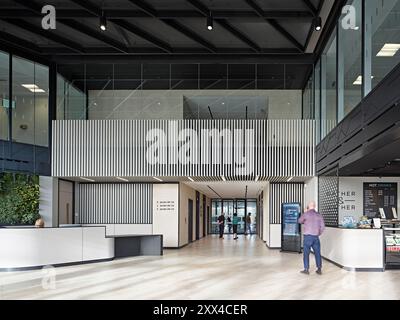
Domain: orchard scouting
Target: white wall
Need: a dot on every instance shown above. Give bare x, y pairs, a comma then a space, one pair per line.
168, 104
311, 191
266, 225
166, 213
48, 201
356, 185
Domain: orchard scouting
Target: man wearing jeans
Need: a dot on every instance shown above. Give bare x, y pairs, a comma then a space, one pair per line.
313, 227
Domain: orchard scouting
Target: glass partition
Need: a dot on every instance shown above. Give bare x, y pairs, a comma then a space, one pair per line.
180, 91
4, 107
350, 77
329, 87
383, 19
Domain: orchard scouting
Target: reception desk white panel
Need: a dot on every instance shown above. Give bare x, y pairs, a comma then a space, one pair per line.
354, 249
32, 247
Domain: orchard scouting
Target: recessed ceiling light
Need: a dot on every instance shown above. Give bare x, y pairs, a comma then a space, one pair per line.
30, 86
158, 179
33, 88
389, 50
122, 179
86, 179
358, 81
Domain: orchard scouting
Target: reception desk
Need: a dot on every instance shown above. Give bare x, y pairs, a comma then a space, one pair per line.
30, 248
354, 249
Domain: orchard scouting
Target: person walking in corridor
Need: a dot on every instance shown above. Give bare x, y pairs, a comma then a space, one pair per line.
235, 223
314, 226
221, 225
248, 224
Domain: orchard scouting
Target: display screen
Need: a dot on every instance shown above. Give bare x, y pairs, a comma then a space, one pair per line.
291, 214
380, 196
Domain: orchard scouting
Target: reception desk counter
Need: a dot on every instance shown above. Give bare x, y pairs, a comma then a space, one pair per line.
29, 248
354, 249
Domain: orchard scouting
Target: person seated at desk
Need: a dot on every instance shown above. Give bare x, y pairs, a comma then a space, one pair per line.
39, 223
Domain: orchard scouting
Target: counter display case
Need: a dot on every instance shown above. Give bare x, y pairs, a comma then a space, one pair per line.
392, 244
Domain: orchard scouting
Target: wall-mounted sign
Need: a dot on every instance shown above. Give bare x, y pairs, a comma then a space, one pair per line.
164, 205
380, 196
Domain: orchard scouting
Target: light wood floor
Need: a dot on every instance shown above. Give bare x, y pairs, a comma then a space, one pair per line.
207, 269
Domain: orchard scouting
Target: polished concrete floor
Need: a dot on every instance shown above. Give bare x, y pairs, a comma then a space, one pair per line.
207, 269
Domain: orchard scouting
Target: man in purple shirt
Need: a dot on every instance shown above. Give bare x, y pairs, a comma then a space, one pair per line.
313, 227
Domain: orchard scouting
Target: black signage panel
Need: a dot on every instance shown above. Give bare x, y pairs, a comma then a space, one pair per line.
380, 196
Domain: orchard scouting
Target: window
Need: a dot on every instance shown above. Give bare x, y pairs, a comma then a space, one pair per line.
383, 18
31, 96
350, 77
4, 93
329, 87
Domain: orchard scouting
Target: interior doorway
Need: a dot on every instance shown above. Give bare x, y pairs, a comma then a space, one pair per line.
190, 221
65, 202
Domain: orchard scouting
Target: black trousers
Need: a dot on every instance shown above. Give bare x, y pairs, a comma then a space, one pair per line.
235, 228
221, 230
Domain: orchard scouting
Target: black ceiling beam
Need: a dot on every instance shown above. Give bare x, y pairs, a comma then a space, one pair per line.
152, 12
47, 34
80, 27
18, 42
200, 7
275, 25
190, 58
225, 24
153, 50
145, 7
311, 7
142, 34
238, 34
36, 8
171, 14
90, 7
190, 34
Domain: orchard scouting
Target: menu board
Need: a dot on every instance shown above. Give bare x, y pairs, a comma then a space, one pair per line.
380, 196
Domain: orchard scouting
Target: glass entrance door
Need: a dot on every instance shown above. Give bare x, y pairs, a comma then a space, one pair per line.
229, 206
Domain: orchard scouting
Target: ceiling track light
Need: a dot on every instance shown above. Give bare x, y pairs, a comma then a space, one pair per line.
317, 23
103, 22
210, 22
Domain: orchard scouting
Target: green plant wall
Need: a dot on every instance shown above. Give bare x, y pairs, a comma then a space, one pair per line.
19, 199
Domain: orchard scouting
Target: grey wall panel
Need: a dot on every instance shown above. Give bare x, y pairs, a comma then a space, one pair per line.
283, 193
115, 204
118, 148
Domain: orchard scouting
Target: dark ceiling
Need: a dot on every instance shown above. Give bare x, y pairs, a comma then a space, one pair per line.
272, 33
161, 27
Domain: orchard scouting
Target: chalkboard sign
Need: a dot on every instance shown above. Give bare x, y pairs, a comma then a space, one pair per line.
380, 196
291, 237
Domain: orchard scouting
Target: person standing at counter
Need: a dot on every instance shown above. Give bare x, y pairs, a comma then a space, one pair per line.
314, 226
